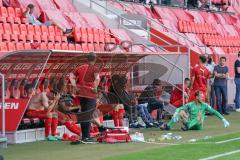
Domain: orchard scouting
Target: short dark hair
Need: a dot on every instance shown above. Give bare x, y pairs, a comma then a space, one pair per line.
239, 54
91, 57
197, 93
203, 59
30, 6
223, 58
186, 79
28, 86
156, 82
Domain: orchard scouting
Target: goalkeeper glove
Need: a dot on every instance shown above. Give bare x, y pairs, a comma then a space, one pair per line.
226, 123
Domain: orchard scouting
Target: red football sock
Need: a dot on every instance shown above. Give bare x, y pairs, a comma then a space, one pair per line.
71, 126
115, 118
47, 125
54, 126
120, 117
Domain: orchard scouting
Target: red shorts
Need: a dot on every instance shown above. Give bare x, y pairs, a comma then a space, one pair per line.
105, 108
62, 117
37, 114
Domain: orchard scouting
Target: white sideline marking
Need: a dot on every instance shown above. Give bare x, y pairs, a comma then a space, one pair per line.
159, 143
220, 155
229, 140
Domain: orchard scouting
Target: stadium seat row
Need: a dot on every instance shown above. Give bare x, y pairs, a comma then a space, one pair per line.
13, 20
191, 27
220, 41
231, 49
78, 47
11, 12
93, 35
14, 46
32, 38
24, 29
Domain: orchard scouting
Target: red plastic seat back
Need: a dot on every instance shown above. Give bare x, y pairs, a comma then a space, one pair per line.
23, 93
11, 12
14, 89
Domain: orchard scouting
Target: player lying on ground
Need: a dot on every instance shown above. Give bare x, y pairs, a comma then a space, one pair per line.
193, 114
42, 105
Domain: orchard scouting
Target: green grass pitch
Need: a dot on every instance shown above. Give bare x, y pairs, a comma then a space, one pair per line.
183, 150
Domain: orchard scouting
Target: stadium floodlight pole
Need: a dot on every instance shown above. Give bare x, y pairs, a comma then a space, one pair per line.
3, 104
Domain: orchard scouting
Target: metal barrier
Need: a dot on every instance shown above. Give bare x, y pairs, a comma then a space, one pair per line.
129, 21
3, 104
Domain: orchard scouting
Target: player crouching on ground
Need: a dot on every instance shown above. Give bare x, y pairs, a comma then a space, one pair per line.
193, 114
42, 107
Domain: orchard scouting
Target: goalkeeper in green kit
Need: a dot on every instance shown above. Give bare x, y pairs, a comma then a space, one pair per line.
193, 115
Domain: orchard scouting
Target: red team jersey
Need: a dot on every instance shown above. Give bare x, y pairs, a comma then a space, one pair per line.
176, 96
201, 74
85, 80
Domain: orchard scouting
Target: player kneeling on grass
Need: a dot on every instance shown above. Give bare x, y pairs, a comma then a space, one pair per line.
193, 115
42, 105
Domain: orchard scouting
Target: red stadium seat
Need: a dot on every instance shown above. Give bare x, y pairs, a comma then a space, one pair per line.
18, 12
44, 38
64, 39
64, 46
3, 46
14, 89
57, 46
11, 12
23, 94
29, 38
97, 47
36, 38
11, 46
22, 38
6, 37
71, 47
30, 29
14, 38
24, 20
17, 20
23, 29
50, 46
84, 38
19, 46
51, 39
78, 47
58, 39
7, 28
51, 30
27, 46
90, 47
10, 19
43, 46
15, 29
58, 32
3, 12
44, 30
77, 37
3, 20
1, 29
37, 30
77, 30
85, 47
90, 38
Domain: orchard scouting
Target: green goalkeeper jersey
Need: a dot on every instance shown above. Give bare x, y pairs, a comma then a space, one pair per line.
193, 109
